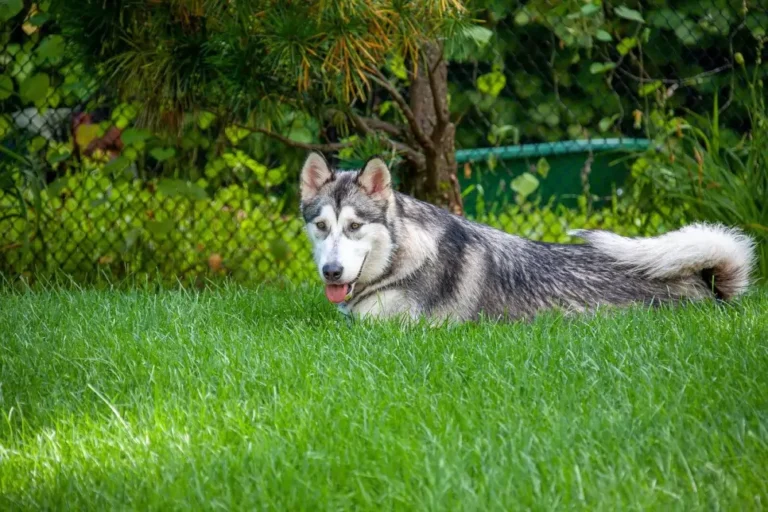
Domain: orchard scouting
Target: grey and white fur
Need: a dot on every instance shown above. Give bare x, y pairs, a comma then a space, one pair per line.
381, 253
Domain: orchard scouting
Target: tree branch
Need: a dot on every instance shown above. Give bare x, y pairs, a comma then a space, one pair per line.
372, 122
439, 100
333, 146
678, 81
413, 124
363, 125
383, 126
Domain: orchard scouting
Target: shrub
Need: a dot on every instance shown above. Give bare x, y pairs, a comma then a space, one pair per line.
91, 224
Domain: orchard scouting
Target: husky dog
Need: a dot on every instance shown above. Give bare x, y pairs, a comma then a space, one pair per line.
383, 254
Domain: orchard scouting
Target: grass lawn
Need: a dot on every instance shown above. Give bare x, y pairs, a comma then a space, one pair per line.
264, 399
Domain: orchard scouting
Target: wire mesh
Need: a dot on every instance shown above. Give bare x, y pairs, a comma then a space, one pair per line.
83, 191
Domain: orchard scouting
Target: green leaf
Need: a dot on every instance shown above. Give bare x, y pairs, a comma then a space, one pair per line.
162, 154
666, 19
626, 45
123, 114
59, 156
132, 136
5, 127
649, 88
39, 19
522, 17
51, 48
604, 36
607, 122
589, 9
36, 144
543, 167
214, 167
526, 85
300, 134
179, 188
548, 112
467, 43
385, 107
715, 25
601, 67
397, 66
276, 176
56, 186
689, 33
236, 133
117, 165
10, 8
478, 34
160, 227
575, 131
34, 88
629, 14
499, 134
6, 87
757, 23
491, 83
525, 184
205, 119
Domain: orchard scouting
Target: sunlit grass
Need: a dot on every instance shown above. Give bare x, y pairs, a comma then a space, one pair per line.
239, 398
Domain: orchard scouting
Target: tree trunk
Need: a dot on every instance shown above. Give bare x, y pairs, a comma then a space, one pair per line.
436, 181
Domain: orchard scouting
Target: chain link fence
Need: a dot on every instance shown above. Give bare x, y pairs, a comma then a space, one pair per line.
548, 117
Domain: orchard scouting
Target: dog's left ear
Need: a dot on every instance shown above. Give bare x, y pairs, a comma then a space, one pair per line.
315, 173
375, 179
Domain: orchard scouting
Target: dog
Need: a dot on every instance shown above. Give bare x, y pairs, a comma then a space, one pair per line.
383, 254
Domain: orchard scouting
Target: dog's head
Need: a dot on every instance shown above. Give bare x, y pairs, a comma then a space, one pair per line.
347, 216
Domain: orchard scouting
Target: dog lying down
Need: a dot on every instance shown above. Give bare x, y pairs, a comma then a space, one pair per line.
382, 254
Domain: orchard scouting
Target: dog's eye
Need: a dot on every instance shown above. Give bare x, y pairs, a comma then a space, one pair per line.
320, 226
354, 226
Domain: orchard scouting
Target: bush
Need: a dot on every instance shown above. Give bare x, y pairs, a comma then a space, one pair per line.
570, 69
91, 224
552, 223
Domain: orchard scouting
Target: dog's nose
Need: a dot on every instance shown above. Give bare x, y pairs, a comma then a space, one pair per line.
332, 271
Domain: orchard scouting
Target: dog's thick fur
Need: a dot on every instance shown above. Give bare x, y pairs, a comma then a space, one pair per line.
382, 253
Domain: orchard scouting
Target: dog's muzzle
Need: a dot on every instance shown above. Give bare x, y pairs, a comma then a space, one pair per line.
338, 293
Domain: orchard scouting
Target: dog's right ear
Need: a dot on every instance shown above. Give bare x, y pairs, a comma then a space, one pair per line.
314, 175
375, 179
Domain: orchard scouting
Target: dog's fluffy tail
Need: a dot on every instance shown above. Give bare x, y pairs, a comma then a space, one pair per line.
713, 251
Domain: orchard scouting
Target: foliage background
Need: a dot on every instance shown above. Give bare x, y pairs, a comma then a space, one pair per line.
215, 198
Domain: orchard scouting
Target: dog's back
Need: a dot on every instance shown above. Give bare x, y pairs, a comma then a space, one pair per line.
467, 270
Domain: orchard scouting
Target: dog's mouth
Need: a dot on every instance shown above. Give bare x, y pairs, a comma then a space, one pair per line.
337, 293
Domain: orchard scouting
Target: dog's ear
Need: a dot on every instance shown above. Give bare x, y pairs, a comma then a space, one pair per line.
314, 175
375, 179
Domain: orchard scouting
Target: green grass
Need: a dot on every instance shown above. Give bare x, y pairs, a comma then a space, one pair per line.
264, 399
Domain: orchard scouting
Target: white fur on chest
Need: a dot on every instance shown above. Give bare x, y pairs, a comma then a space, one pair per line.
384, 304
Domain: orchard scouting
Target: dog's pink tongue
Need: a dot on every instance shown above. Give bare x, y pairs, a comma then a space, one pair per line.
336, 292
